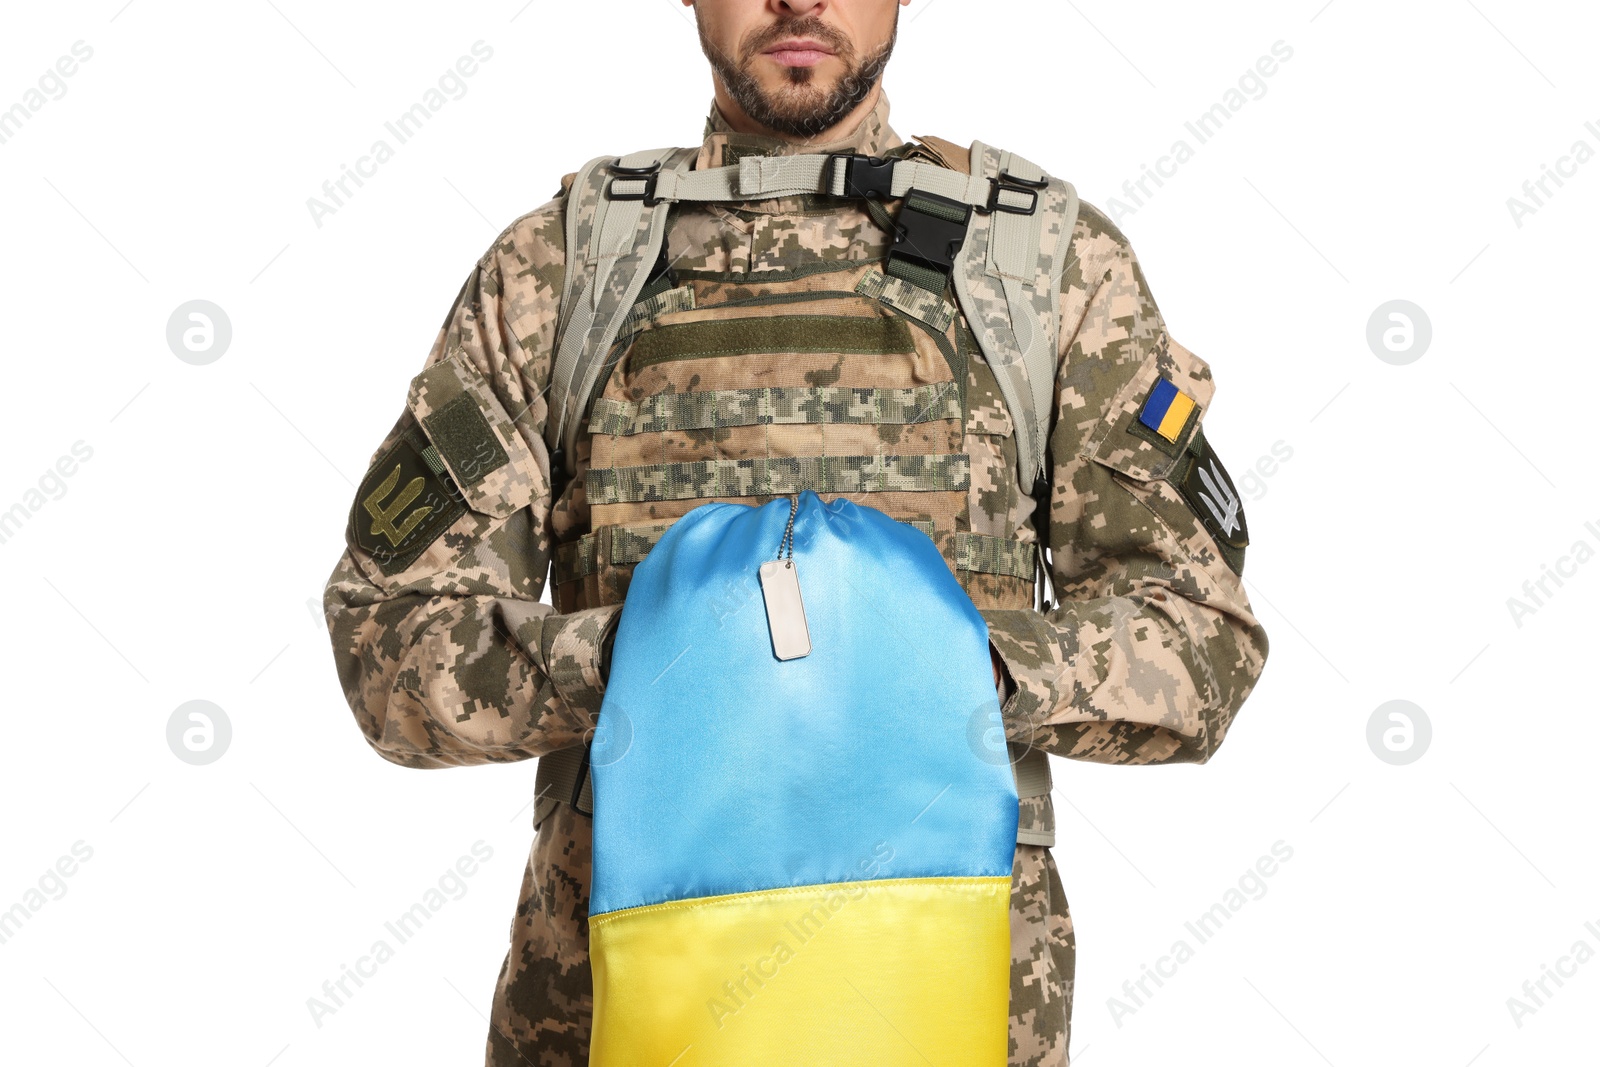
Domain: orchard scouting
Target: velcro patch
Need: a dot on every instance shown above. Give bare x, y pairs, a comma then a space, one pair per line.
463, 437
1211, 494
403, 505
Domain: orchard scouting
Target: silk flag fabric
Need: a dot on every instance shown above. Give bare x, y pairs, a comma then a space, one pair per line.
803, 861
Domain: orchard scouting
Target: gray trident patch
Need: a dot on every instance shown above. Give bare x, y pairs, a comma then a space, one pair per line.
1226, 513
1205, 484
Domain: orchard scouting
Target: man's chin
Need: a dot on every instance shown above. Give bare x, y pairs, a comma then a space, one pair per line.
799, 116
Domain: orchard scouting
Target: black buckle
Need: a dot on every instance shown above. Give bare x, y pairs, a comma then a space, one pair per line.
560, 476
1012, 179
866, 177
649, 174
1012, 184
930, 240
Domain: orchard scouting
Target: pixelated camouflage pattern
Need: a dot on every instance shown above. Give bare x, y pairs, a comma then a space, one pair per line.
510, 485
1153, 647
998, 506
706, 479
756, 236
810, 404
994, 555
620, 545
652, 307
987, 279
614, 282
919, 303
544, 999
453, 661
1043, 960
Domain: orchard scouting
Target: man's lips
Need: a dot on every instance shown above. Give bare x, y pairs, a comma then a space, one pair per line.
801, 53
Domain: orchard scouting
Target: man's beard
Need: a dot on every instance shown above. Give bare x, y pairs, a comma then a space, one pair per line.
800, 109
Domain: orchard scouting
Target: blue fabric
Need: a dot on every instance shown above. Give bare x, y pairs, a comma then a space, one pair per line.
720, 769
1155, 409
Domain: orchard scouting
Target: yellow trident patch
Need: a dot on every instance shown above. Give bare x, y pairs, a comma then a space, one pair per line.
383, 518
397, 515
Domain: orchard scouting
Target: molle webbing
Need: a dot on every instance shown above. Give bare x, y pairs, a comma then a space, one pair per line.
778, 476
987, 553
653, 307
778, 405
626, 544
620, 546
917, 301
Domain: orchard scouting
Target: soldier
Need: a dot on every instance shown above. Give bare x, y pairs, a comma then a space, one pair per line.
781, 344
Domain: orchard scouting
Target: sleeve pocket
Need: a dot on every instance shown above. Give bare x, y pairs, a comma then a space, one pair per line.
1166, 462
1171, 381
453, 471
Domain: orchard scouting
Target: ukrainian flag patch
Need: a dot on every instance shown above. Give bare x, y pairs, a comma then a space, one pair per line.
1167, 410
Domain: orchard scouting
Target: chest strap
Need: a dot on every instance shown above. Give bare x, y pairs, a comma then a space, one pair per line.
840, 174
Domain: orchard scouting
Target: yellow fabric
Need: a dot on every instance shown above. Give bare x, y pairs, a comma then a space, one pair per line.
1178, 414
888, 973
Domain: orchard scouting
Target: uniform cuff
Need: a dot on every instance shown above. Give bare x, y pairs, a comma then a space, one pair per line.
573, 647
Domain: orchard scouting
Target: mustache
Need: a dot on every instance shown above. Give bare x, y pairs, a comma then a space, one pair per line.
807, 26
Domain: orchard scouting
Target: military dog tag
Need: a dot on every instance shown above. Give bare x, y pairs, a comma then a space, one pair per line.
786, 614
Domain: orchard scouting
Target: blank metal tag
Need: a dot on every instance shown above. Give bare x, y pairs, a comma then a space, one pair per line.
786, 615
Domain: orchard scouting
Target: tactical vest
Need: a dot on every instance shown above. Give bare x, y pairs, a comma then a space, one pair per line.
847, 377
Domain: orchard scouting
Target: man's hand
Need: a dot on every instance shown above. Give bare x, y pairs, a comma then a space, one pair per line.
999, 673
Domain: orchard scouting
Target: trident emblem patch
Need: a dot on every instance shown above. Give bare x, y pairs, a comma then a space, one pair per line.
383, 517
403, 505
1211, 494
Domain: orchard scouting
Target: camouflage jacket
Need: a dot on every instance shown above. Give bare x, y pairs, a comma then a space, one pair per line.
777, 355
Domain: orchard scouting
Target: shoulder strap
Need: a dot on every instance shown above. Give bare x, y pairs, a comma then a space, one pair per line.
612, 243
1008, 280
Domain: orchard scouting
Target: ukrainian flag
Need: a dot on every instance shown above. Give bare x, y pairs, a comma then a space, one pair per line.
1167, 409
806, 862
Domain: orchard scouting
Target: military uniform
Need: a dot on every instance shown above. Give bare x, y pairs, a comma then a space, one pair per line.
775, 354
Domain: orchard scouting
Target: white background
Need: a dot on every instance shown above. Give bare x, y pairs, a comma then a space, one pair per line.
185, 559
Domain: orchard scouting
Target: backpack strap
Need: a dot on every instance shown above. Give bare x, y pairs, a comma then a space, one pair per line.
613, 239
1007, 278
